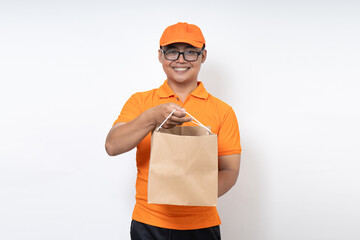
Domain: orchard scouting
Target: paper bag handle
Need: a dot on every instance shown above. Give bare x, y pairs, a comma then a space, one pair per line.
197, 122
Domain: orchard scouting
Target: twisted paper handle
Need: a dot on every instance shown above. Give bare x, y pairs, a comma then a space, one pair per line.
197, 122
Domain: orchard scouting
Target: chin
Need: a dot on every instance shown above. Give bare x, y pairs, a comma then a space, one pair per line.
180, 80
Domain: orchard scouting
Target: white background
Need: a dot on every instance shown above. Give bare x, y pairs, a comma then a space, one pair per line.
290, 69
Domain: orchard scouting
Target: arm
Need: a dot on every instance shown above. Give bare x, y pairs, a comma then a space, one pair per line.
229, 167
125, 136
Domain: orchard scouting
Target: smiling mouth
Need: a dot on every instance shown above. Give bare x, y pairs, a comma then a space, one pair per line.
182, 69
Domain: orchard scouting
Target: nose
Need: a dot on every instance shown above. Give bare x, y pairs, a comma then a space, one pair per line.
181, 58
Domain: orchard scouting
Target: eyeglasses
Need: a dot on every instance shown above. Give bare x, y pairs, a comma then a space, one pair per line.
173, 55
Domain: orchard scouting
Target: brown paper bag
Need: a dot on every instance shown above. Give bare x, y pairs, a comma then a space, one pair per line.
183, 167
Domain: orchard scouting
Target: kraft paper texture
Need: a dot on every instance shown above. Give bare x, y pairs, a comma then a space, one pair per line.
183, 167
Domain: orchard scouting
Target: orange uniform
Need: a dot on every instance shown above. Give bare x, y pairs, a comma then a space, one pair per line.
210, 111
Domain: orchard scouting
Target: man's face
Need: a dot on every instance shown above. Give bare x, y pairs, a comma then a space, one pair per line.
180, 70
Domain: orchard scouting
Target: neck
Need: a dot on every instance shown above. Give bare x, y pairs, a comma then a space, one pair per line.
182, 89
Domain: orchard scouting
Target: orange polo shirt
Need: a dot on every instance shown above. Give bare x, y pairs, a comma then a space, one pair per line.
210, 111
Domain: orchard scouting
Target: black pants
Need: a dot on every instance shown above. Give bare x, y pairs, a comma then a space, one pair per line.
142, 231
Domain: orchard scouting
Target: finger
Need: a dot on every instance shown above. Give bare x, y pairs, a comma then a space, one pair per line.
171, 122
180, 120
179, 114
168, 125
172, 106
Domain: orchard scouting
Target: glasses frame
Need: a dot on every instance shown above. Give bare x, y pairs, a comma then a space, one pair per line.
183, 53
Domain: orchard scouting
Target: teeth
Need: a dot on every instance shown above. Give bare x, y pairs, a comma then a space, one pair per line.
180, 69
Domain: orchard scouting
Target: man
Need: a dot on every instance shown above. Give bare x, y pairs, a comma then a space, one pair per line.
182, 51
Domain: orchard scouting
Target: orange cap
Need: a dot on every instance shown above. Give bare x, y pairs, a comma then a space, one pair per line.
183, 33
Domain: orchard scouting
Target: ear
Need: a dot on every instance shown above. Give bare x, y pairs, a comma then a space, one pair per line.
159, 55
203, 56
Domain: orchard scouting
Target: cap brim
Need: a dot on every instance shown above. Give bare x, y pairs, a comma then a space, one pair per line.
193, 43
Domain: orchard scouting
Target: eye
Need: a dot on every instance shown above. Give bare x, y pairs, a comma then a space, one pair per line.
171, 52
191, 52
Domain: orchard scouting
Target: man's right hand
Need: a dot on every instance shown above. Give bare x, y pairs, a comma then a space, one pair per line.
123, 136
159, 113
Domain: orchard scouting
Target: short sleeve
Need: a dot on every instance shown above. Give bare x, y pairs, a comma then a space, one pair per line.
131, 109
229, 136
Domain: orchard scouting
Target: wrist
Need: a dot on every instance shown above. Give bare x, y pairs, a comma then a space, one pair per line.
149, 119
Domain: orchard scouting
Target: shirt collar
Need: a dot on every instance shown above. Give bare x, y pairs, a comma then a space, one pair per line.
200, 92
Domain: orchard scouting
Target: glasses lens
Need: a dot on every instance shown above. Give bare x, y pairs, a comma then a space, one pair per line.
171, 55
190, 56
